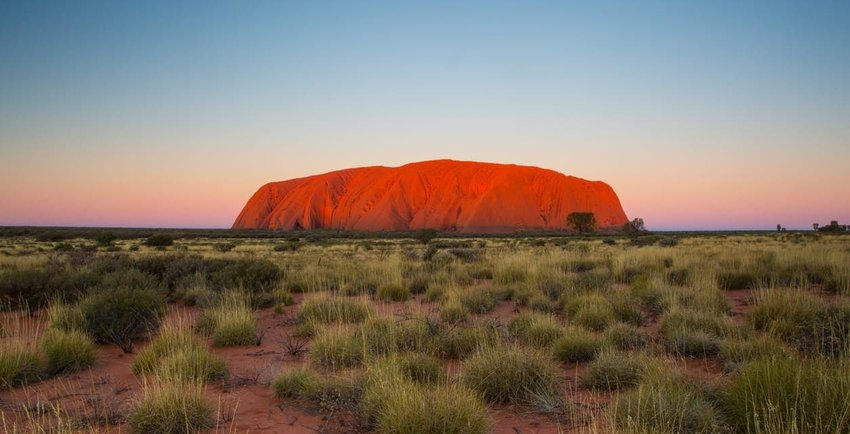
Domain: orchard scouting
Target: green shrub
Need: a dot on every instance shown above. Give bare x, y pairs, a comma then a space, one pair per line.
67, 351
576, 345
120, 315
168, 408
665, 404
738, 280
294, 383
19, 366
512, 374
612, 370
393, 292
787, 395
251, 274
159, 240
625, 337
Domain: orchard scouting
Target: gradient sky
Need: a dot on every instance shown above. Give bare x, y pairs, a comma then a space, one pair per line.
701, 115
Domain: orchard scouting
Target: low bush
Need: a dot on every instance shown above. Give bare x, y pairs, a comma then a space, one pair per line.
512, 374
120, 315
67, 351
159, 240
250, 274
576, 345
170, 408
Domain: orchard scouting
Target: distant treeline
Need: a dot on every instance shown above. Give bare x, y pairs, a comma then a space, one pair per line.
53, 234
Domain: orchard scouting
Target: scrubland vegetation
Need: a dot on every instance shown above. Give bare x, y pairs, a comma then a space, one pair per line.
739, 333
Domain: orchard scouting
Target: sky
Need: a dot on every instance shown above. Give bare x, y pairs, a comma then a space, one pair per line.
700, 115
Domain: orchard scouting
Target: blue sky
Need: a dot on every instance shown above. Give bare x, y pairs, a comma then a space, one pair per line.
699, 114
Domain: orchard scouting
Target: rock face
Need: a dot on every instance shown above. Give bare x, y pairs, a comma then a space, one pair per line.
441, 194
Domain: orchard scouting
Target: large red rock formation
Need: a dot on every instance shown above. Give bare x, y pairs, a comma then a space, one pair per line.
440, 194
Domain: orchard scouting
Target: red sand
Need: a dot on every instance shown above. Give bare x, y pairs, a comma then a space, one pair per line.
439, 194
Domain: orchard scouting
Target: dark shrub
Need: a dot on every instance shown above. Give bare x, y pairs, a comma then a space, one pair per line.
159, 240
252, 274
120, 315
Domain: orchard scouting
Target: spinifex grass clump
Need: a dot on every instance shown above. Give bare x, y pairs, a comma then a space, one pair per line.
294, 383
383, 335
512, 374
691, 333
231, 322
171, 408
479, 300
736, 351
178, 355
664, 402
592, 311
626, 337
395, 403
612, 370
803, 320
576, 345
787, 395
67, 351
18, 366
336, 347
536, 328
460, 342
393, 292
328, 310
